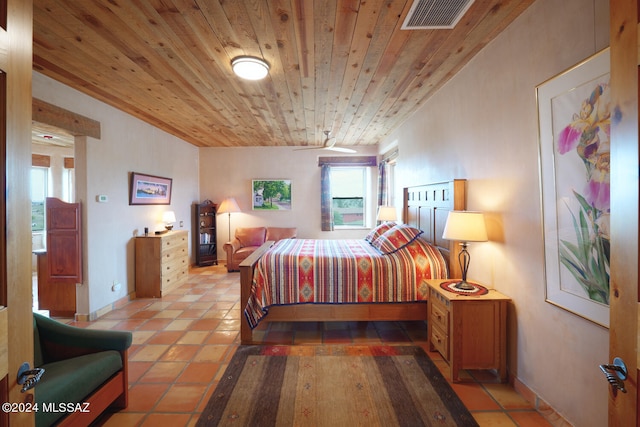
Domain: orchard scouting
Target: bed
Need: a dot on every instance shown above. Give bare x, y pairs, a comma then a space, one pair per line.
355, 273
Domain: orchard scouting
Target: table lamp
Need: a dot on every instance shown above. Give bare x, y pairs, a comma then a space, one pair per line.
465, 226
168, 217
386, 213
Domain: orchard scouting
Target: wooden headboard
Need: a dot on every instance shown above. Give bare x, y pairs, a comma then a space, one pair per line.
426, 207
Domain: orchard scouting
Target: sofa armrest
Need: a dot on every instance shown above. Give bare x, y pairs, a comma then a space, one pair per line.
232, 246
60, 341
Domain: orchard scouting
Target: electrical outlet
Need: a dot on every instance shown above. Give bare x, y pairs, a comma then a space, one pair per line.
116, 286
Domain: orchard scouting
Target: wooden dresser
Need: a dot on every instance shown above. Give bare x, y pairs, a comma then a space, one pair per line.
470, 332
162, 263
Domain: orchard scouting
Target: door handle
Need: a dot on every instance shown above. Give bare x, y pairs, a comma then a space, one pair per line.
616, 374
27, 377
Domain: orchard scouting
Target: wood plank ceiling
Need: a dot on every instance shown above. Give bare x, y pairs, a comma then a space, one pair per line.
340, 65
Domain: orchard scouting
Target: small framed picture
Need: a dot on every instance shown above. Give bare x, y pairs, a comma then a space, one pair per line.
271, 194
149, 190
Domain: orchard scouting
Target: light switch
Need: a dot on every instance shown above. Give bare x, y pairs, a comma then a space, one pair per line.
102, 198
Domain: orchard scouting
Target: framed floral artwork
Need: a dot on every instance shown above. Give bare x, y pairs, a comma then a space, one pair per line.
574, 129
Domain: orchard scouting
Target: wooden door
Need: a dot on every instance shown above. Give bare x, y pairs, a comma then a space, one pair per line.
16, 346
57, 285
625, 195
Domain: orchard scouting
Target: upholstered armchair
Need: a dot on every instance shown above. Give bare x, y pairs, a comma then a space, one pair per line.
247, 240
81, 366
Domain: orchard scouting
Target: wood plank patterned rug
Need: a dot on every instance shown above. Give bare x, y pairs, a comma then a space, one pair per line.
333, 386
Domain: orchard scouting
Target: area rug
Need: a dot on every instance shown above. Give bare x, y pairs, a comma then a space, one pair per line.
333, 386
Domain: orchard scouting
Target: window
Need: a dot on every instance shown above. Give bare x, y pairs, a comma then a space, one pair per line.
68, 185
39, 184
349, 196
346, 188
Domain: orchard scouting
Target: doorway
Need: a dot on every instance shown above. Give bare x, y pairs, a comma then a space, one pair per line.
52, 175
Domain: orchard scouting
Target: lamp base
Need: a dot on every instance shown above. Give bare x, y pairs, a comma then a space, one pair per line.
169, 227
464, 285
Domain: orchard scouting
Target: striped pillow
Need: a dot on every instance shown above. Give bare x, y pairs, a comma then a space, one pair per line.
396, 238
378, 231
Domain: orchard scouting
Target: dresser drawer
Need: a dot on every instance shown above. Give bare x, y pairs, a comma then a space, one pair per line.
174, 277
170, 254
173, 241
173, 265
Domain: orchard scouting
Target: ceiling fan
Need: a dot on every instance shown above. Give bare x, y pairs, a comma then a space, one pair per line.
329, 144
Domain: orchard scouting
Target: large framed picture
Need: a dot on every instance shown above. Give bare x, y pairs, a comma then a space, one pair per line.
271, 194
149, 190
574, 124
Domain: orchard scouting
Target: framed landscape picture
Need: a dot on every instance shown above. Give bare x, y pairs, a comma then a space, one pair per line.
149, 190
574, 115
271, 194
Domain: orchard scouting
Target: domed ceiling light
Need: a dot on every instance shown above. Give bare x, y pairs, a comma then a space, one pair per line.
250, 67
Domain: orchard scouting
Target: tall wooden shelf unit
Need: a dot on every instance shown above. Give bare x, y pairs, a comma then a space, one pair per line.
205, 237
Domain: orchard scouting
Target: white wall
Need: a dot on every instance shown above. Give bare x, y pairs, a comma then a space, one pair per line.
228, 172
103, 167
482, 126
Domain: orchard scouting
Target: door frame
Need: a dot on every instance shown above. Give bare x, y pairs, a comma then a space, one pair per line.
624, 314
16, 57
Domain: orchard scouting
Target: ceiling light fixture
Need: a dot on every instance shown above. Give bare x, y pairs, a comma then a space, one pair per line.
250, 67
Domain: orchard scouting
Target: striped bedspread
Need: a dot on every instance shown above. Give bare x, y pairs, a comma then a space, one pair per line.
303, 271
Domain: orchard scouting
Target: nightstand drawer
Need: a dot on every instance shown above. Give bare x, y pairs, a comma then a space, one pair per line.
440, 317
440, 341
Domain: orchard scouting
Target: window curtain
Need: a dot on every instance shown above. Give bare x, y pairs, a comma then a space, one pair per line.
383, 184
326, 215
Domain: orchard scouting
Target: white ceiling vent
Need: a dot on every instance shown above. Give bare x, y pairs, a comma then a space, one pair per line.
435, 14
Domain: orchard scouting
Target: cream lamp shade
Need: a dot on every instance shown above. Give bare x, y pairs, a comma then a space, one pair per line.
168, 217
250, 67
465, 226
228, 205
387, 213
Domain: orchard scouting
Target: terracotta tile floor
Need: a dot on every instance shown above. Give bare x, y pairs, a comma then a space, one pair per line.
183, 342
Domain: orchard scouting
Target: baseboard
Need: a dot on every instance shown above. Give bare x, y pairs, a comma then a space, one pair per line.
546, 410
106, 309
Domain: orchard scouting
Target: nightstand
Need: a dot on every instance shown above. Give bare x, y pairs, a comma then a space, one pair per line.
469, 331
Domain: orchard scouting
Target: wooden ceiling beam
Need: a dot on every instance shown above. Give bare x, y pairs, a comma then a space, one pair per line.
74, 123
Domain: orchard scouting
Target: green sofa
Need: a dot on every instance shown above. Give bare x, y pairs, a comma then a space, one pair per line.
81, 366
